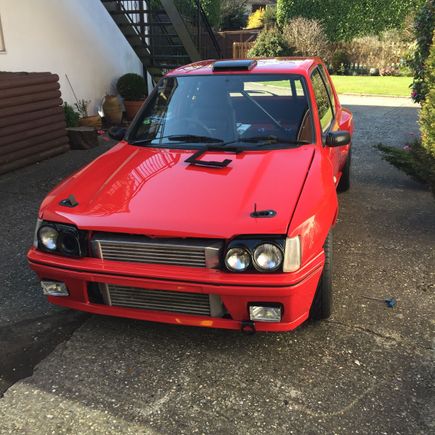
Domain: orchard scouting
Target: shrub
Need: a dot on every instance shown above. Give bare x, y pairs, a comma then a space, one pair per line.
270, 43
82, 108
131, 87
414, 160
340, 62
345, 19
255, 20
71, 116
232, 14
269, 17
306, 37
284, 10
427, 114
212, 9
418, 159
424, 25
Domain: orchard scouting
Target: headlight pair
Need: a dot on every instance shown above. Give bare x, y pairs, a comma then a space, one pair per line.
60, 239
264, 256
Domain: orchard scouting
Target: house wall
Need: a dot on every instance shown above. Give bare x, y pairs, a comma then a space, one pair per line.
73, 37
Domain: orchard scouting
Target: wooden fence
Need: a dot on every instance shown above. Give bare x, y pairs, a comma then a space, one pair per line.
32, 122
240, 49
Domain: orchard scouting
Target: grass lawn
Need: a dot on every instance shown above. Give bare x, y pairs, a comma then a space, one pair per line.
376, 85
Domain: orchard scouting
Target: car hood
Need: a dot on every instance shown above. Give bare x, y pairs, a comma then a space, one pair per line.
152, 191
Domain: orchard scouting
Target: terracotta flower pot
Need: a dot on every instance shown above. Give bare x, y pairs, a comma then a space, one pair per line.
112, 110
91, 121
132, 107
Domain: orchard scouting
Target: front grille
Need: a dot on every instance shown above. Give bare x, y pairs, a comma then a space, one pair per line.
141, 249
162, 300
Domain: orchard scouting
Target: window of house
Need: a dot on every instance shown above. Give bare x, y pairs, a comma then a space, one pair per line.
2, 41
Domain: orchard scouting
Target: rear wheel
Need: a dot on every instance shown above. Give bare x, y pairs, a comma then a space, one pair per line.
322, 304
344, 183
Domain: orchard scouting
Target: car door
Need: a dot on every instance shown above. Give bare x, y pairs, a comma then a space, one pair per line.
327, 119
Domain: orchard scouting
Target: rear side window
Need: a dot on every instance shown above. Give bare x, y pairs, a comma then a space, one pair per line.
329, 88
324, 106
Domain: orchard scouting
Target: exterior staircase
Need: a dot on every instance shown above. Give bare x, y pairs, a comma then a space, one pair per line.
165, 34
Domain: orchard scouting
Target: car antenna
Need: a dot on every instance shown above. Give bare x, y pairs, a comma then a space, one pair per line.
262, 213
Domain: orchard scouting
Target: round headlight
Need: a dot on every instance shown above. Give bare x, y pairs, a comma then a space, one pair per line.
267, 257
237, 259
48, 237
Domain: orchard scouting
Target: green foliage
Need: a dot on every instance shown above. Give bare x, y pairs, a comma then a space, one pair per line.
345, 19
427, 114
340, 62
414, 160
82, 108
424, 27
284, 11
270, 43
212, 9
131, 87
232, 14
269, 17
71, 116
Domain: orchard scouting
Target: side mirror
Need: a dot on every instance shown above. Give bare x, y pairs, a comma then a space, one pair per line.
337, 138
117, 133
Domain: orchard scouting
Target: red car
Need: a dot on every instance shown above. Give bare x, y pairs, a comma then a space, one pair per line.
216, 209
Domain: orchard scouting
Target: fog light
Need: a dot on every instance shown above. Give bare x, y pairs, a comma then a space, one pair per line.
54, 288
265, 313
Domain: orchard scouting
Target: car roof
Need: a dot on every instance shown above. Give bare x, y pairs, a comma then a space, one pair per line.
276, 65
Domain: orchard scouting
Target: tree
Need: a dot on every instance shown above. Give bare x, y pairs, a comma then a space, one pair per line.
284, 9
424, 27
212, 9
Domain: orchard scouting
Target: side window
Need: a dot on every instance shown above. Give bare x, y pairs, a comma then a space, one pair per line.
328, 87
322, 98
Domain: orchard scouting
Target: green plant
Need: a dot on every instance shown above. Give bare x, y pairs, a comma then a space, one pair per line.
232, 14
269, 17
212, 9
284, 11
414, 160
270, 43
427, 114
340, 62
71, 116
306, 37
131, 87
424, 28
344, 19
82, 108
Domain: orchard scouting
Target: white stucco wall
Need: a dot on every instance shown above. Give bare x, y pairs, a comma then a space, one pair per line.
74, 37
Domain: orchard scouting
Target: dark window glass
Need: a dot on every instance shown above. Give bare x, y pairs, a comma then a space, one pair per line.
224, 107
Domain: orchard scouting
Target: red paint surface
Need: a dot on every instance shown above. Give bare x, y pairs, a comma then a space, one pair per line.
152, 191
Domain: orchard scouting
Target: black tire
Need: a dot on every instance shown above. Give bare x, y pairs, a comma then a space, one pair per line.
344, 183
322, 303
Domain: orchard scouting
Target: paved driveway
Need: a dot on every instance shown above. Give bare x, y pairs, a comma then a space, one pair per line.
367, 370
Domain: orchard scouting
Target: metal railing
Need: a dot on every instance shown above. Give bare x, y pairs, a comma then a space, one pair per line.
152, 25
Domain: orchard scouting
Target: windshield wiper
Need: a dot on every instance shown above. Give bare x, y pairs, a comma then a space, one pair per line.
268, 140
184, 138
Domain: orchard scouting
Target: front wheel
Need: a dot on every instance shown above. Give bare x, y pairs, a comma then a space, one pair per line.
322, 304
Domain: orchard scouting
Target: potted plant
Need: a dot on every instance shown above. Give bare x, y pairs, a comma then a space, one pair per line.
132, 87
86, 120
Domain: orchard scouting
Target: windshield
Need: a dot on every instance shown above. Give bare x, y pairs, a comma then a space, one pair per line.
225, 108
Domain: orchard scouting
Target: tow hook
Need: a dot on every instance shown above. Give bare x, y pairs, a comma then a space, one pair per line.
248, 327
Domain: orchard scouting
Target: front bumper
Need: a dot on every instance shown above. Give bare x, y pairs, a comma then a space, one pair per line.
295, 291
